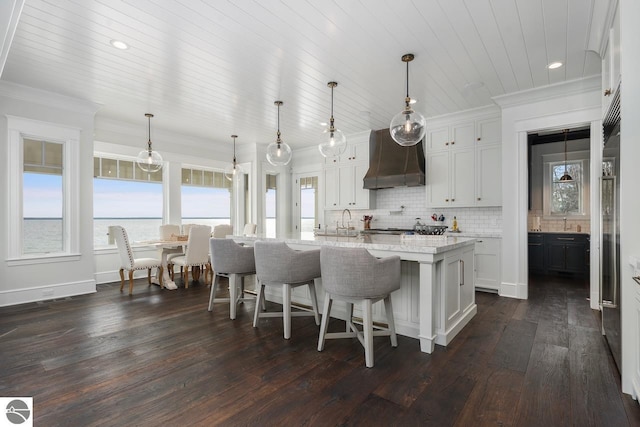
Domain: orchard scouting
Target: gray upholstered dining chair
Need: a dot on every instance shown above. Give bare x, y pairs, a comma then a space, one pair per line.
196, 254
354, 275
234, 261
129, 262
279, 265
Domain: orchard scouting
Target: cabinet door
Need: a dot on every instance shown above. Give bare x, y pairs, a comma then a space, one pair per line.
452, 285
438, 139
488, 132
575, 257
536, 257
462, 135
467, 286
462, 178
361, 196
346, 183
331, 195
489, 180
437, 179
607, 84
555, 259
487, 263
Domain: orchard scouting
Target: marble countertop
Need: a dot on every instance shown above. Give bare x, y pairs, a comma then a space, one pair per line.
475, 234
558, 232
381, 242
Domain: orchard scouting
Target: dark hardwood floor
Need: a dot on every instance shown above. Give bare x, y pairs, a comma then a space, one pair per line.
159, 358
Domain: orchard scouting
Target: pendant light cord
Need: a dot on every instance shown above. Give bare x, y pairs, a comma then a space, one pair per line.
149, 142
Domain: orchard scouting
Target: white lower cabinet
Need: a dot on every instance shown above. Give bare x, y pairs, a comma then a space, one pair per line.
459, 291
487, 269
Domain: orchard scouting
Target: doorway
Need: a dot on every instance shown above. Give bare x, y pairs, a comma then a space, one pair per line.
306, 204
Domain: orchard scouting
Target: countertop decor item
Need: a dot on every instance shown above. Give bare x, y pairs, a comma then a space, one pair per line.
148, 160
279, 152
334, 143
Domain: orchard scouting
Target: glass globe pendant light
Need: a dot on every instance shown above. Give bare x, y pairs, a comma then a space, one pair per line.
278, 152
149, 160
233, 170
566, 177
408, 127
335, 143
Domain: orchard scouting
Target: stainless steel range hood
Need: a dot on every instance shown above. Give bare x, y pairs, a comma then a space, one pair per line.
392, 165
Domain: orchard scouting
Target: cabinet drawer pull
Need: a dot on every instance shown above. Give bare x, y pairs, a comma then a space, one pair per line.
535, 244
446, 143
565, 238
607, 92
462, 272
453, 142
479, 198
479, 138
453, 200
446, 200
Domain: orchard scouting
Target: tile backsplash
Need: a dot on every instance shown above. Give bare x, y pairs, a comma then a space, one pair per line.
390, 214
537, 222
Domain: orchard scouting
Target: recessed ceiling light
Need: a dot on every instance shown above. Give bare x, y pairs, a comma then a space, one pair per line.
554, 65
119, 44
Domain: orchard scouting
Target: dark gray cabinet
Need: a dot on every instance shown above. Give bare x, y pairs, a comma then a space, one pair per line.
536, 253
559, 253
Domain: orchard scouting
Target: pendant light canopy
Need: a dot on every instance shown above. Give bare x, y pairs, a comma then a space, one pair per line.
334, 142
566, 177
278, 152
408, 127
149, 160
233, 170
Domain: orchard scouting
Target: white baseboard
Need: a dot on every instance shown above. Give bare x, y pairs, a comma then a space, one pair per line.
47, 292
513, 290
445, 337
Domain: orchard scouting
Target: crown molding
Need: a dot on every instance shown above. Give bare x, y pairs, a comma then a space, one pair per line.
545, 93
46, 98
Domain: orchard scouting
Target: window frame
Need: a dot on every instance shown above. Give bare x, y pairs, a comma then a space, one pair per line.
20, 128
584, 186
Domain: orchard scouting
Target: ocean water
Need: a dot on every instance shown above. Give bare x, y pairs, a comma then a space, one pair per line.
45, 235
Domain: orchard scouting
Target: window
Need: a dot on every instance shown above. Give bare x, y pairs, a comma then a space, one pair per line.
43, 191
566, 198
270, 205
125, 195
206, 197
308, 205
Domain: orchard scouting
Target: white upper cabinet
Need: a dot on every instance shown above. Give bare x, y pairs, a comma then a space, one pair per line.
611, 64
343, 177
464, 162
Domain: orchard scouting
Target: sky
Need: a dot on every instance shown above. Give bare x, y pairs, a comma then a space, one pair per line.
131, 199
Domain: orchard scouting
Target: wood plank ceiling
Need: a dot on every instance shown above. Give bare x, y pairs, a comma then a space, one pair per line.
212, 68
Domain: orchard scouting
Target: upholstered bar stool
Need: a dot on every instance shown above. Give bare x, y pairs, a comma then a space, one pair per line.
354, 275
234, 261
279, 265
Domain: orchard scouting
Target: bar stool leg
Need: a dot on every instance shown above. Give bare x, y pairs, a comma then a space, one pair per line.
286, 310
325, 321
367, 325
388, 308
314, 301
233, 295
259, 302
214, 288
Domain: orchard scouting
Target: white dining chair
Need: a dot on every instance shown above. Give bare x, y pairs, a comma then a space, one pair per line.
168, 230
196, 254
249, 229
221, 231
129, 262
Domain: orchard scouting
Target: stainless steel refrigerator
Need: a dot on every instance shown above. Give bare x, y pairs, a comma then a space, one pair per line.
610, 241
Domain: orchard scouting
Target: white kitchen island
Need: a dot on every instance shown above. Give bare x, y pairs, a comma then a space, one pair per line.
436, 299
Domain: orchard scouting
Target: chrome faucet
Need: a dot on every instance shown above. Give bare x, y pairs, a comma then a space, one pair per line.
346, 210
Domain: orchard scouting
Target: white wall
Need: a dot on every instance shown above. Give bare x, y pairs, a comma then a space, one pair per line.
629, 179
558, 106
34, 282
